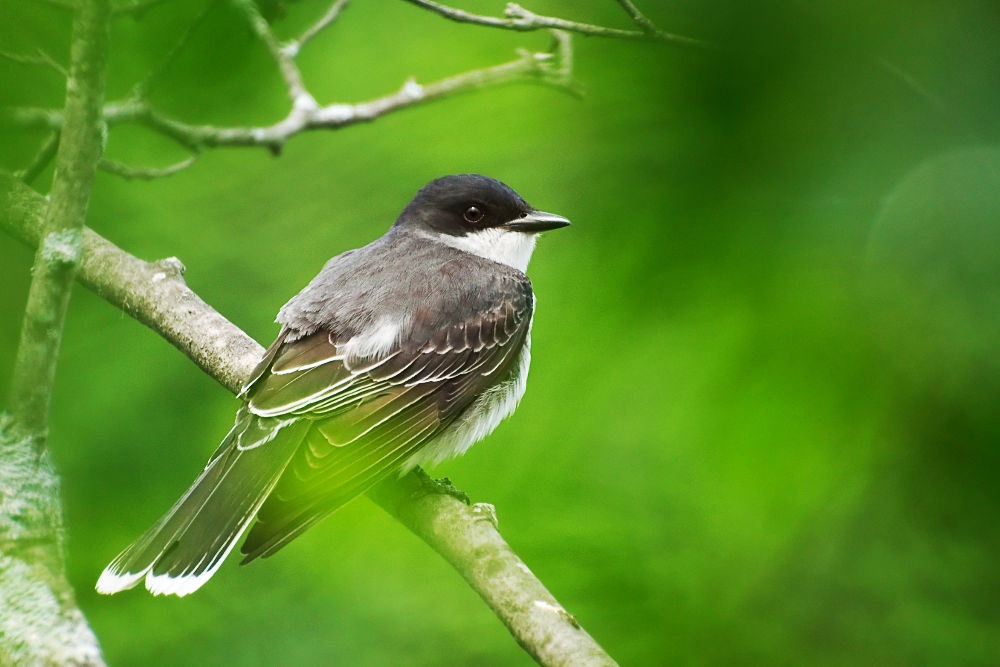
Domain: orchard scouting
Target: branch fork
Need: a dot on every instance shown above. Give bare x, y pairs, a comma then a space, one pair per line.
553, 68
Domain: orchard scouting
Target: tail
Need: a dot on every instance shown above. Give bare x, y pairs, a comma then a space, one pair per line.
188, 544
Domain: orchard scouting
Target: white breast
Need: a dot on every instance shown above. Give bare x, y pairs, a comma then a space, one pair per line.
479, 420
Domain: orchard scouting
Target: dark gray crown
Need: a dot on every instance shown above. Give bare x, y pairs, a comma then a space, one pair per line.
444, 204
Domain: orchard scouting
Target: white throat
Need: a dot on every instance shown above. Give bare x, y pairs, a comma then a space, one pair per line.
499, 245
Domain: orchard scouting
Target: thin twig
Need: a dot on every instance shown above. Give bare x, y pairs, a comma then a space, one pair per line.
638, 17
53, 64
912, 83
295, 46
563, 66
543, 67
462, 16
520, 19
137, 110
42, 159
41, 60
301, 99
146, 173
143, 87
33, 117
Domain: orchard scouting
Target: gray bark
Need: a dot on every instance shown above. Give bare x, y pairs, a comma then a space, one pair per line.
40, 623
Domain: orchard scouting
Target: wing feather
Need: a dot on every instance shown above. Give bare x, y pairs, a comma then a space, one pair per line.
314, 487
303, 354
368, 420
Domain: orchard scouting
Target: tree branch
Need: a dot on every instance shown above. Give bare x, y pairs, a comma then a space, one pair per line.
155, 294
546, 68
146, 173
41, 60
152, 292
553, 69
59, 251
42, 159
300, 97
143, 87
40, 622
33, 118
467, 536
520, 19
638, 17
292, 48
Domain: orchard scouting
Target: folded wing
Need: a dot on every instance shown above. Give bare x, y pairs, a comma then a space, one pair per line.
371, 415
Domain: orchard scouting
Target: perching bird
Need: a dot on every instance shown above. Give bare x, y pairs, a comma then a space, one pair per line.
401, 353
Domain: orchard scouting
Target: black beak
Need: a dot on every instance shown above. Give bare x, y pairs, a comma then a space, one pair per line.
536, 221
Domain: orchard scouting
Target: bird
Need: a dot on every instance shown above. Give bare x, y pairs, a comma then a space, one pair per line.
399, 354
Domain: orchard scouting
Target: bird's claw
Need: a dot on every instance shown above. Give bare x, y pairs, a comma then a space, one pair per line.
445, 486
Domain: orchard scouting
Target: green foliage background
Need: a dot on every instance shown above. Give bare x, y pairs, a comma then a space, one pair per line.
761, 425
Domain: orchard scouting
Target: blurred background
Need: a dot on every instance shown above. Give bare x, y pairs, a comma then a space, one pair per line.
761, 425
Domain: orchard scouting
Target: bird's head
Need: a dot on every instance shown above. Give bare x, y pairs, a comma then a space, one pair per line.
480, 215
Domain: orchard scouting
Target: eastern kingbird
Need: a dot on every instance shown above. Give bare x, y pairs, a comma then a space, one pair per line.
401, 353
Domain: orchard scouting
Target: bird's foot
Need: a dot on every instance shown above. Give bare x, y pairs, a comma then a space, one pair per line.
420, 483
445, 486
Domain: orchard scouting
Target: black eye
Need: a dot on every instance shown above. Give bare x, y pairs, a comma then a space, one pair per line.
474, 214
